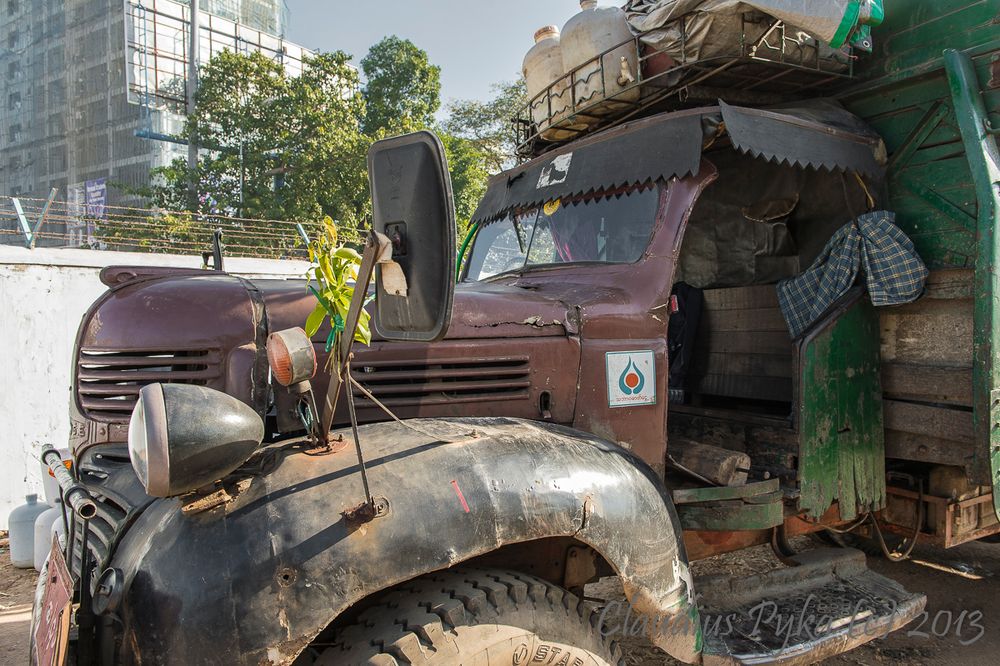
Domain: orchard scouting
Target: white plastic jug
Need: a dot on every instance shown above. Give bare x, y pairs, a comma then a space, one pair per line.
43, 533
548, 88
584, 38
21, 525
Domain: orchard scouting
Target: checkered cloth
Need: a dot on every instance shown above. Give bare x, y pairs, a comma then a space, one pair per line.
873, 243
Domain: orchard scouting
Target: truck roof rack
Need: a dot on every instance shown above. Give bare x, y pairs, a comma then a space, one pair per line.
771, 69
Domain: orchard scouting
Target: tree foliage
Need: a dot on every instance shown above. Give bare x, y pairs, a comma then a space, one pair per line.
282, 147
293, 148
490, 125
402, 89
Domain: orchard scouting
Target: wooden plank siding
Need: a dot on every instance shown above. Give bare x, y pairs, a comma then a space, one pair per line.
744, 349
927, 358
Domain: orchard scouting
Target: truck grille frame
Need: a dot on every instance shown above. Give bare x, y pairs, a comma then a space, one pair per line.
405, 383
108, 382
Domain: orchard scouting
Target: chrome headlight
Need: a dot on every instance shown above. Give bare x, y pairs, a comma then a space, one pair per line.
183, 437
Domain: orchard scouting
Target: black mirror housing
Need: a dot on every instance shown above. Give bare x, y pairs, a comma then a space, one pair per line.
413, 205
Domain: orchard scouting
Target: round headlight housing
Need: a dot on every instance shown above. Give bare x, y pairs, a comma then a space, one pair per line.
184, 437
291, 356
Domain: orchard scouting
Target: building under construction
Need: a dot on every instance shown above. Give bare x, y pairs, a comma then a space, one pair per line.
93, 91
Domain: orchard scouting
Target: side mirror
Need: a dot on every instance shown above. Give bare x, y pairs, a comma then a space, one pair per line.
412, 204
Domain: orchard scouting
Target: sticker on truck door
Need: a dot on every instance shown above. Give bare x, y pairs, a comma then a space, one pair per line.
631, 378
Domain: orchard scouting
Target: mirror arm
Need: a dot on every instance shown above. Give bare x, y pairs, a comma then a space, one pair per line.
368, 259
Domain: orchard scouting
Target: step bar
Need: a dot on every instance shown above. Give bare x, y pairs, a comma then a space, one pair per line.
828, 604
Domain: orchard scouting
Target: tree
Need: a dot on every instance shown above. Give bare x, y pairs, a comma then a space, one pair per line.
469, 173
274, 146
490, 125
293, 148
402, 88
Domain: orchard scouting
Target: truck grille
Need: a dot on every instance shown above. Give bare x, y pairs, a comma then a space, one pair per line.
108, 383
103, 531
403, 383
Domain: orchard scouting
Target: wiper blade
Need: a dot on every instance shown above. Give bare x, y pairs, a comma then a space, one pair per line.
518, 232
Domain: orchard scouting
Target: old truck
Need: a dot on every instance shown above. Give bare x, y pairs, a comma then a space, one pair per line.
532, 445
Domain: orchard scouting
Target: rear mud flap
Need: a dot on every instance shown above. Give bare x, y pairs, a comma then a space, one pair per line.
828, 604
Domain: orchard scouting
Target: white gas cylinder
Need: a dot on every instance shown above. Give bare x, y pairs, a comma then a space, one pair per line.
43, 533
21, 525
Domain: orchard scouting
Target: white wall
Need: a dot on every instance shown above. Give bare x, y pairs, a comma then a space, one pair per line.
43, 295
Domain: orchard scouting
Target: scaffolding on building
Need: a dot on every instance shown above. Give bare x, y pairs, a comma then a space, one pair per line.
84, 82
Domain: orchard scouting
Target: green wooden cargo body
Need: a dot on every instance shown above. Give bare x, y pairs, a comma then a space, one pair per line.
932, 90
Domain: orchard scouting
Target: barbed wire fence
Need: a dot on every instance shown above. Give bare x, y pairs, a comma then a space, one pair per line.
132, 229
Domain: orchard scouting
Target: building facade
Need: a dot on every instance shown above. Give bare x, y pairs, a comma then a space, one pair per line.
91, 91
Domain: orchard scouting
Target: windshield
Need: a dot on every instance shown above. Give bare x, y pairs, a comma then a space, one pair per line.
611, 228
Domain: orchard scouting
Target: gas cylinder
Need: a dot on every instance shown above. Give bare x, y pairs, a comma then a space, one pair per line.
585, 37
43, 533
548, 89
58, 530
21, 526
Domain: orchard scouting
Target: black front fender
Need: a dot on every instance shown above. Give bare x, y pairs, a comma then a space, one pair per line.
256, 580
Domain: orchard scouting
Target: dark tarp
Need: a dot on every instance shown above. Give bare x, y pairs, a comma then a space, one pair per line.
813, 136
669, 145
649, 149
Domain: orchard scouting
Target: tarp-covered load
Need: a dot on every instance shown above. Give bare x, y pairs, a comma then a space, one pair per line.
689, 30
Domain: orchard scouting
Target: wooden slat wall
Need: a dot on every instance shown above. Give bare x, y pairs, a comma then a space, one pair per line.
744, 350
927, 372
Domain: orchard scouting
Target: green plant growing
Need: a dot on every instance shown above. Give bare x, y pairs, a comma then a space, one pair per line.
331, 280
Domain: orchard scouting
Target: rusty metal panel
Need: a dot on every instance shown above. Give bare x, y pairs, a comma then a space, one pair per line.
457, 489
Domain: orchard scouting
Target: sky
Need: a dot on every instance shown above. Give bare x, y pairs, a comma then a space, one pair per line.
475, 42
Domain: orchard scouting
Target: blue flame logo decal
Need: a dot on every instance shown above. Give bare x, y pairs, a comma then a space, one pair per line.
631, 380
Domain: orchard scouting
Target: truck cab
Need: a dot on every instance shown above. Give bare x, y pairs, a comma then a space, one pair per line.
541, 442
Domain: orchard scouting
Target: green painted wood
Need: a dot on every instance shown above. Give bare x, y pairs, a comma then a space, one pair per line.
904, 93
984, 165
842, 442
731, 517
720, 493
915, 33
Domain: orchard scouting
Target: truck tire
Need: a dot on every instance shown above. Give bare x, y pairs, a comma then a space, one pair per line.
474, 616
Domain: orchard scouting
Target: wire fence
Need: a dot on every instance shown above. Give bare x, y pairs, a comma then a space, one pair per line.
133, 229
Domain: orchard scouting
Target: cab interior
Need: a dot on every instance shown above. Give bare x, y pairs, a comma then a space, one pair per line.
757, 224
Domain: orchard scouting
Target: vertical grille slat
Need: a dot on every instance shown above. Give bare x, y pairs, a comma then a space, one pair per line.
108, 382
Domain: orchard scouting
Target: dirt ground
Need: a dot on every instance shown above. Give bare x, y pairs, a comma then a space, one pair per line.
966, 578
17, 586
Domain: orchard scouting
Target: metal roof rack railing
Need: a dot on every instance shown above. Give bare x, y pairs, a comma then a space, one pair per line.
770, 69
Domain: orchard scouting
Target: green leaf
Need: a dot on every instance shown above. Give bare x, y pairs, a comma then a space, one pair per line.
315, 319
348, 253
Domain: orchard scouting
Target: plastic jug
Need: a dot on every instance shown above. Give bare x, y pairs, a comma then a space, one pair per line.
548, 88
585, 37
21, 525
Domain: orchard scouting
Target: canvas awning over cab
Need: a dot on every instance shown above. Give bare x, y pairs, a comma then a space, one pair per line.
820, 135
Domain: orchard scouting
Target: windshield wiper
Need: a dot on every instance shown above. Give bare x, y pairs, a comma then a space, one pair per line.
518, 232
